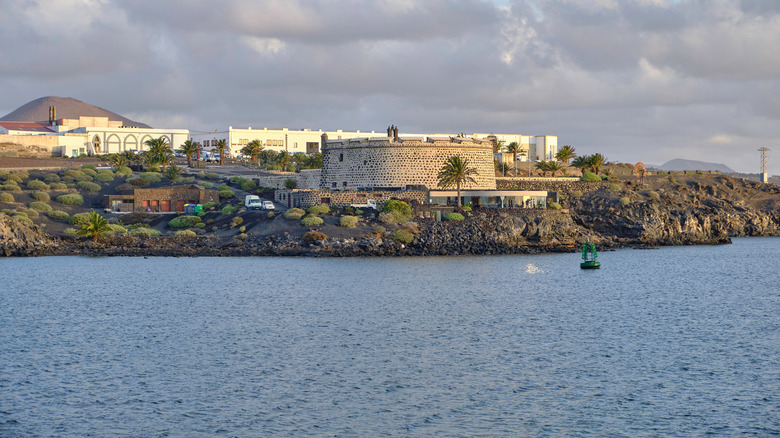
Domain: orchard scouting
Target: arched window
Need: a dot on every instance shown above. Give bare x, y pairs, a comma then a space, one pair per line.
96, 144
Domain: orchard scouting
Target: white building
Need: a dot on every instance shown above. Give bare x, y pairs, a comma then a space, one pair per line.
106, 136
540, 147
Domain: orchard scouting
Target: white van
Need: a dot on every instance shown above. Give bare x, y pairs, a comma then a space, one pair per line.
252, 202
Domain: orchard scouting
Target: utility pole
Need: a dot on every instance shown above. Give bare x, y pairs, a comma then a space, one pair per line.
764, 151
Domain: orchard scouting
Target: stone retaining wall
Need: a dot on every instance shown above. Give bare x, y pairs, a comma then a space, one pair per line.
309, 198
306, 179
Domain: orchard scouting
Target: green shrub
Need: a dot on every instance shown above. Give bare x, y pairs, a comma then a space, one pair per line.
58, 215
228, 209
236, 222
318, 209
40, 196
311, 221
105, 176
671, 179
6, 197
138, 182
242, 229
153, 168
294, 214
576, 194
212, 176
184, 221
314, 236
200, 225
214, 228
248, 185
40, 206
402, 236
467, 208
12, 177
348, 221
88, 171
88, 166
23, 219
625, 200
21, 174
124, 170
35, 184
210, 205
11, 188
71, 199
59, 186
380, 229
189, 179
205, 184
85, 178
590, 177
177, 180
150, 176
185, 234
387, 218
144, 231
67, 179
399, 209
69, 231
88, 186
454, 217
654, 196
20, 211
271, 215
554, 205
290, 184
614, 187
51, 177
241, 237
79, 219
117, 229
225, 193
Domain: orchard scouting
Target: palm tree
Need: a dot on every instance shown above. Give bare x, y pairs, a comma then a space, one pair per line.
456, 171
581, 163
159, 151
190, 148
283, 159
565, 154
221, 146
554, 167
314, 161
543, 166
252, 150
513, 148
95, 225
596, 161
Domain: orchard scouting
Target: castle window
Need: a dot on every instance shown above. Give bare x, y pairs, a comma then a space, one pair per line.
334, 185
345, 183
341, 157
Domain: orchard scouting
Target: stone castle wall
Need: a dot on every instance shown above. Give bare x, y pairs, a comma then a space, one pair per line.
383, 163
309, 198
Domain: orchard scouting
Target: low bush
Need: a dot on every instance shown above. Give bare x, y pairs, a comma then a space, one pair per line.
184, 221
200, 225
654, 196
236, 221
138, 182
88, 186
242, 229
153, 168
387, 218
144, 231
380, 229
31, 213
241, 236
88, 166
6, 197
348, 221
311, 221
294, 214
67, 179
400, 209
117, 229
58, 215
85, 178
11, 188
150, 176
102, 176
228, 209
23, 219
71, 199
51, 177
36, 184
248, 185
576, 194
21, 174
125, 187
40, 206
402, 236
177, 180
625, 200
124, 170
210, 205
467, 208
314, 236
454, 217
225, 192
271, 215
590, 177
88, 171
79, 219
40, 196
554, 205
212, 176
189, 179
12, 177
614, 187
318, 209
59, 186
69, 232
185, 234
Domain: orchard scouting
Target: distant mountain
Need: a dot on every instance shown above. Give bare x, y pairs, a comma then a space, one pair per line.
679, 164
67, 108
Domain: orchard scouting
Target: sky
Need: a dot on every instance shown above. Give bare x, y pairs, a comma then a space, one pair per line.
635, 80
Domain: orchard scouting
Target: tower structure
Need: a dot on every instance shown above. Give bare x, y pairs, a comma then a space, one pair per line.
764, 176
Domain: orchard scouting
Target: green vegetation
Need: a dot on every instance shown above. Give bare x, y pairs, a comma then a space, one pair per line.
173, 171
654, 196
290, 184
252, 150
23, 219
144, 231
199, 225
615, 187
311, 221
124, 170
402, 236
58, 215
40, 206
138, 182
79, 218
88, 171
590, 177
40, 196
94, 226
190, 148
185, 234
314, 236
348, 221
71, 199
11, 188
456, 171
184, 221
212, 176
117, 229
6, 197
225, 192
105, 176
387, 218
59, 186
319, 209
88, 166
51, 177
228, 209
210, 205
248, 185
400, 210
32, 214
554, 205
89, 186
380, 229
294, 214
13, 177
565, 154
151, 176
238, 220
625, 200
457, 217
35, 184
69, 231
242, 229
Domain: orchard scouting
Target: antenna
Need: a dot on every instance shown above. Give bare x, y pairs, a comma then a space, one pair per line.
764, 151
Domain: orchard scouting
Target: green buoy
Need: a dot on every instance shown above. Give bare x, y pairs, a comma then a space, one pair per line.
589, 256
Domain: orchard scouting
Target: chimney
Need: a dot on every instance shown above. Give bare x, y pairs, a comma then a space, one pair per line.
52, 115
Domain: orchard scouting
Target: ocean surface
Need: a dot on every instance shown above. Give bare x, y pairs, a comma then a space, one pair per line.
681, 341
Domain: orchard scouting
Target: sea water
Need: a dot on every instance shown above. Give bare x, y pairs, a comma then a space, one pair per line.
677, 341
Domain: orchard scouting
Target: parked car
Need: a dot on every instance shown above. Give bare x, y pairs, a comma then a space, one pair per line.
268, 205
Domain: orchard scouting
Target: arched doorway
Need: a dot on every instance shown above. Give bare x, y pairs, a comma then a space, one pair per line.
96, 144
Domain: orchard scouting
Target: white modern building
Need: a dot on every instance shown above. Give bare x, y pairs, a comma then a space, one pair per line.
106, 136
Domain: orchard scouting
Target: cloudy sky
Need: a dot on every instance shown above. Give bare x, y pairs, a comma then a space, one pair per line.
637, 80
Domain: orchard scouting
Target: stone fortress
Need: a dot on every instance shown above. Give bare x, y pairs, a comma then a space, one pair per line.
395, 162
